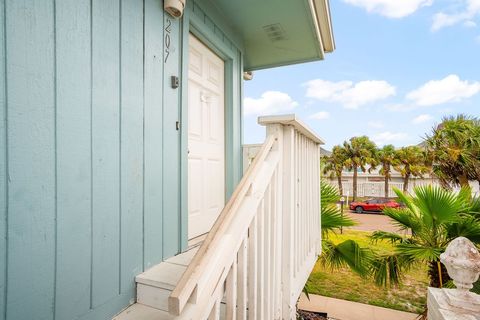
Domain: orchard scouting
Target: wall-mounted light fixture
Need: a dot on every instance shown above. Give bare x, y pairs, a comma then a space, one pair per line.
174, 7
248, 75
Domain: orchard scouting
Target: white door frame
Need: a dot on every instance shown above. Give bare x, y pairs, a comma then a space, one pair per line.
202, 141
233, 120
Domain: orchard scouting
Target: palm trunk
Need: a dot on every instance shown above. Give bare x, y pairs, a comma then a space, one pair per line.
355, 175
434, 275
386, 187
405, 182
340, 186
463, 179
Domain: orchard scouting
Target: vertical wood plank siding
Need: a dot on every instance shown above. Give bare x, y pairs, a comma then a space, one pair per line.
105, 150
91, 161
31, 157
171, 136
153, 162
3, 166
131, 114
73, 74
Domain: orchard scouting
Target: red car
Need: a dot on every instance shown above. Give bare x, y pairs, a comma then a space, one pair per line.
373, 205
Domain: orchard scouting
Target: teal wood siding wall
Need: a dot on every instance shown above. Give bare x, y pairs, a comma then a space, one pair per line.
92, 167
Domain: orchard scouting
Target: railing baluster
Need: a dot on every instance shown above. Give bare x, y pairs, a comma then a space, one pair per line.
231, 292
297, 202
252, 270
261, 260
215, 313
267, 253
242, 273
273, 249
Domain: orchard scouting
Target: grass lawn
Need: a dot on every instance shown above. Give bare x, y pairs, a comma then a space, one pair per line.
344, 284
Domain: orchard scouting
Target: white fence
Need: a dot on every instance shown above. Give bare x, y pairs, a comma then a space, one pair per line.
377, 189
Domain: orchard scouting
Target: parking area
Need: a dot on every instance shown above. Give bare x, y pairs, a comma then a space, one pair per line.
371, 221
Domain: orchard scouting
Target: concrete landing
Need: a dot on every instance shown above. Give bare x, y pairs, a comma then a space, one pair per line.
348, 310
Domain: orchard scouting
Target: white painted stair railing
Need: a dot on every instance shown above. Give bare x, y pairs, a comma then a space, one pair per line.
260, 251
258, 255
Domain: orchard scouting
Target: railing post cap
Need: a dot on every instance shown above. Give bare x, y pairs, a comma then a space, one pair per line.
291, 119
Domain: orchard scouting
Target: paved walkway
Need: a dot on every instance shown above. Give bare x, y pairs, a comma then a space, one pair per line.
348, 310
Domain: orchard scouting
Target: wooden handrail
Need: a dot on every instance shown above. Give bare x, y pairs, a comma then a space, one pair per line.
188, 284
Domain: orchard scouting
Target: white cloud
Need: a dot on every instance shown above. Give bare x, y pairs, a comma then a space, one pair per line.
350, 95
422, 119
376, 124
471, 8
391, 8
448, 89
322, 115
470, 24
387, 137
271, 102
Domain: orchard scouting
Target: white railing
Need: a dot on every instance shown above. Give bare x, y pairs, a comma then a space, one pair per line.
262, 248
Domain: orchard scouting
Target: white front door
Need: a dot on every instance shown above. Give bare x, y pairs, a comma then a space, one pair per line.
206, 138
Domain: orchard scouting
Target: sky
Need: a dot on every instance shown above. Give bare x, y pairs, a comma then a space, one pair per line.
399, 67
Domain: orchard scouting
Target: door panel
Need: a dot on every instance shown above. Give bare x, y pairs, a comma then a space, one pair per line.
206, 138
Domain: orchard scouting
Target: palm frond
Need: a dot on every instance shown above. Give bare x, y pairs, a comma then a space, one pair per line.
465, 197
436, 204
386, 270
404, 218
406, 200
347, 253
467, 226
415, 252
329, 194
474, 209
388, 236
333, 220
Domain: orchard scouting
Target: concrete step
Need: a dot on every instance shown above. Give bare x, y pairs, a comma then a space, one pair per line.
142, 312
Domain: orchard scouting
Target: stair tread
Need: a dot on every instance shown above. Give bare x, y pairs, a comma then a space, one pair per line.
141, 312
166, 274
183, 258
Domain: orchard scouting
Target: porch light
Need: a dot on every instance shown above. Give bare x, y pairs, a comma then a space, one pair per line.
248, 75
174, 7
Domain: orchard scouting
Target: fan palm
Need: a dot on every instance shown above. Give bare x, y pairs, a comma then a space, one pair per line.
454, 147
347, 253
360, 151
334, 164
433, 217
387, 157
410, 161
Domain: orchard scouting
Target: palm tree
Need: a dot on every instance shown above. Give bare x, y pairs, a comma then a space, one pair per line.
454, 147
433, 217
334, 164
475, 170
387, 158
347, 253
410, 161
360, 151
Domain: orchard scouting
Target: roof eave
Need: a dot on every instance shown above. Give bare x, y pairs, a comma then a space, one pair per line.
320, 10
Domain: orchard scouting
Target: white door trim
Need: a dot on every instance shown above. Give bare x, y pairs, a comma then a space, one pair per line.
206, 137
